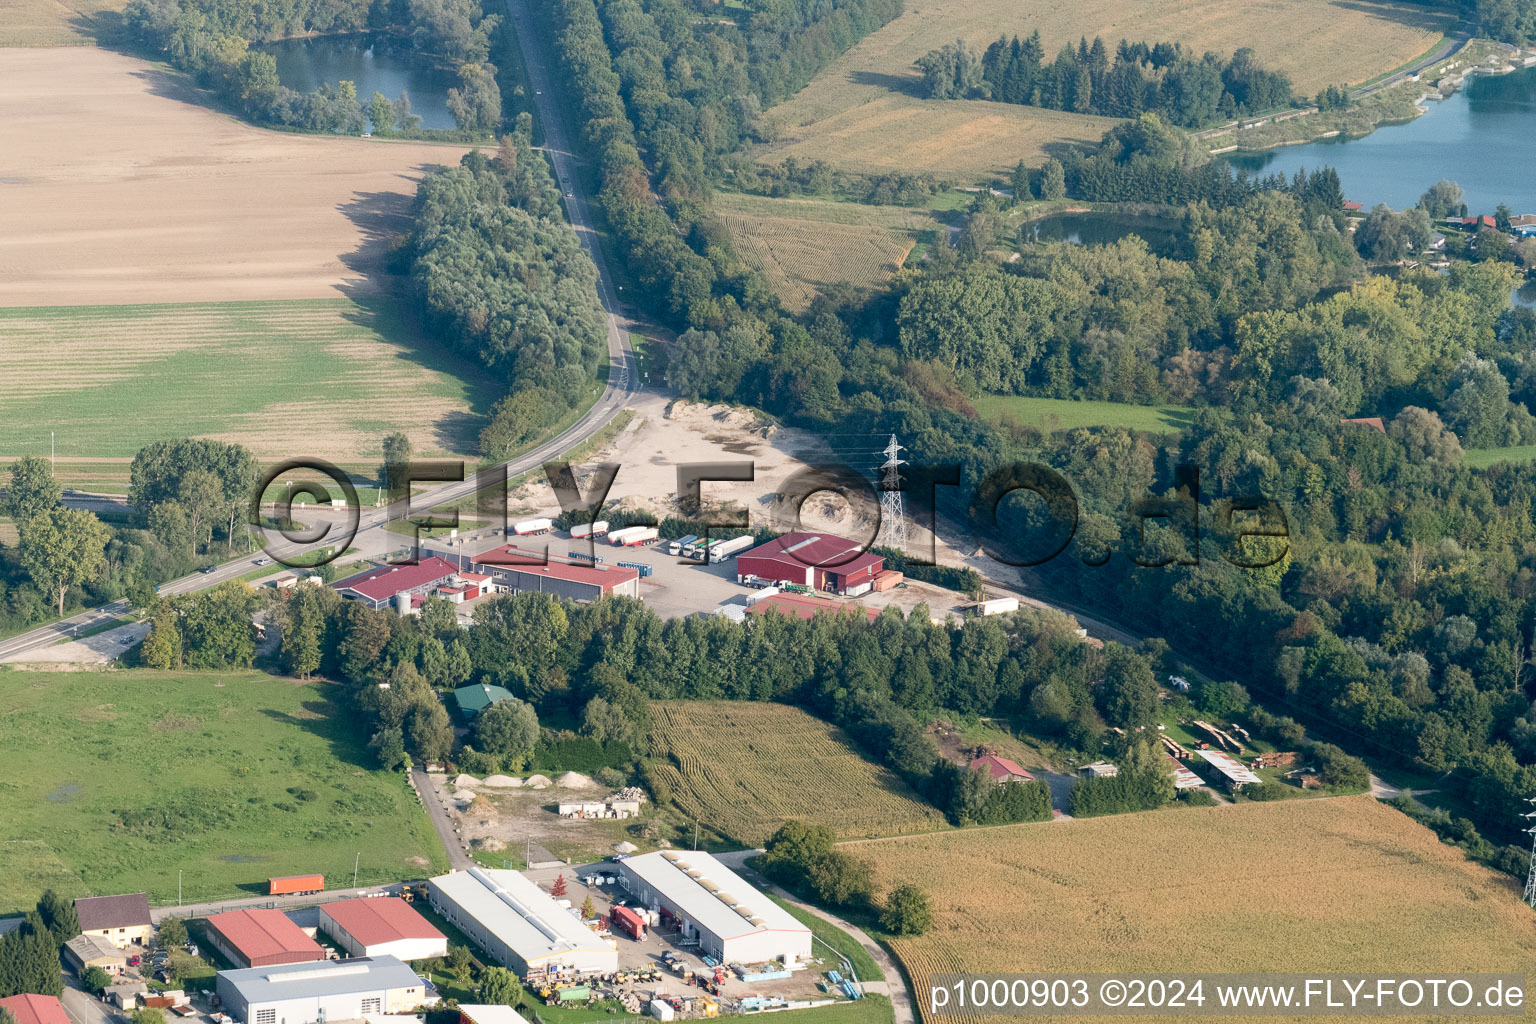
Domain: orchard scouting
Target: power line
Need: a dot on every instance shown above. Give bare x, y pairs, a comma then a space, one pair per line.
893, 516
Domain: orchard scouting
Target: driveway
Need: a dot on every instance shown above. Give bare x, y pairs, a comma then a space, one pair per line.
458, 860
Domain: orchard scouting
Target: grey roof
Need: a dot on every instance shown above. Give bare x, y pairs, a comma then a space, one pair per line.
10, 924
709, 892
326, 978
125, 911
92, 947
515, 910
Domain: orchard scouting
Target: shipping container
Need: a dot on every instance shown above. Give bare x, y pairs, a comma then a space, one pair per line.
597, 529
574, 994
997, 606
730, 547
530, 527
639, 567
583, 556
289, 885
627, 921
662, 1011
676, 547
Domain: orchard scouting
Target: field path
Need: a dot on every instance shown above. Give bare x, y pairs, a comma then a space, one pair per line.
421, 782
894, 983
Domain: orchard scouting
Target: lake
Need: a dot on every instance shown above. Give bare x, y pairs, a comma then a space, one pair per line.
374, 64
1482, 137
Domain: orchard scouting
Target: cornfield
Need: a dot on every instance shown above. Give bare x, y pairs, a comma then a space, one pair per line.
1334, 885
746, 768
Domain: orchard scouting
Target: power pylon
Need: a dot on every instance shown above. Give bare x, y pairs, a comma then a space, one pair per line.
1530, 879
893, 515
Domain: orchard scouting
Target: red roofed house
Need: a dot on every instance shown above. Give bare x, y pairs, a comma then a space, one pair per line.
1353, 207
518, 570
815, 560
33, 1009
1374, 422
1480, 223
807, 607
261, 938
377, 587
1001, 769
382, 926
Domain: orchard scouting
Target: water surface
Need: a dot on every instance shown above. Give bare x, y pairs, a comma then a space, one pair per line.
371, 62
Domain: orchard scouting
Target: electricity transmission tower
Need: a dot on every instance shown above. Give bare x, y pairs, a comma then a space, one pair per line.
893, 517
1530, 879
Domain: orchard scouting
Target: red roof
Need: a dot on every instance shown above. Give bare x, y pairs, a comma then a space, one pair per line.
806, 606
379, 920
386, 581
1484, 221
1374, 422
265, 937
838, 555
34, 1009
507, 557
1354, 206
1000, 768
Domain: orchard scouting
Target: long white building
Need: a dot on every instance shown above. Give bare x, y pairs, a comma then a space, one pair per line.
713, 904
519, 924
333, 990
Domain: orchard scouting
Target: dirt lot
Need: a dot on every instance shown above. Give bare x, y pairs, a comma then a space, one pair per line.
864, 110
119, 187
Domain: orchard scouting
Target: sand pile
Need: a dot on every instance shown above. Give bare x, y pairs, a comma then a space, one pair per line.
574, 780
538, 782
502, 781
465, 781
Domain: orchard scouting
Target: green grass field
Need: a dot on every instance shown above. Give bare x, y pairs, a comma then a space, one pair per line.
1052, 414
116, 781
1482, 458
321, 377
828, 933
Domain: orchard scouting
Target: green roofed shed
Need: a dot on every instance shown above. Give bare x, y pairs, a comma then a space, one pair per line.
474, 699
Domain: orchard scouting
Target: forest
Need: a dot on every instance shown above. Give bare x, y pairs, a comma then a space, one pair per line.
1164, 78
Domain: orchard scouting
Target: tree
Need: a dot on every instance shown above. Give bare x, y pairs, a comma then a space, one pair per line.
62, 548
172, 932
1053, 180
381, 114
559, 889
33, 489
59, 915
605, 722
460, 963
1127, 697
96, 981
1442, 200
1501, 215
588, 909
499, 987
476, 103
907, 911
162, 645
1020, 182
507, 727
430, 731
397, 453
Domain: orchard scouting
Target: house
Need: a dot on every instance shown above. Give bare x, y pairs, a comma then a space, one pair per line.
262, 937
378, 587
521, 571
1001, 769
518, 924
1099, 770
382, 926
1483, 223
1374, 422
715, 908
1350, 206
86, 951
477, 697
332, 990
121, 920
34, 1009
816, 560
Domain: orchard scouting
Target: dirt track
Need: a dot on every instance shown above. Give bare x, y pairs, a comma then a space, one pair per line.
117, 186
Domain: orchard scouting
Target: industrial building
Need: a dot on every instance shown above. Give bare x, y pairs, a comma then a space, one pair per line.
86, 951
520, 925
377, 587
712, 905
816, 560
1233, 772
334, 990
261, 938
806, 606
34, 1009
381, 926
121, 920
514, 569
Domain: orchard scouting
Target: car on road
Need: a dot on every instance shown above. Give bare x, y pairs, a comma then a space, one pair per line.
205, 570
261, 561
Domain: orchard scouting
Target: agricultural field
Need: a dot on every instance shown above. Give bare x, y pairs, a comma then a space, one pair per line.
115, 781
121, 187
1348, 884
745, 768
1053, 414
54, 22
865, 112
1482, 458
804, 245
317, 377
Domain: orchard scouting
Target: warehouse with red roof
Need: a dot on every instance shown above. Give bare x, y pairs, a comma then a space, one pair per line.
261, 938
377, 587
816, 560
28, 1008
382, 926
523, 571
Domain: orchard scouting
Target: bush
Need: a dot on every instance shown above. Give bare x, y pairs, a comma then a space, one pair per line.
1268, 791
906, 911
1201, 797
580, 754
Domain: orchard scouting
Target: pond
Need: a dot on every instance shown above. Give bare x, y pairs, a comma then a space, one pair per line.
374, 64
1159, 233
1482, 137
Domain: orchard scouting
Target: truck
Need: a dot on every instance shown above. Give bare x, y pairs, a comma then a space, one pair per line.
700, 548
642, 535
676, 547
639, 567
295, 885
533, 527
725, 550
597, 529
997, 606
617, 537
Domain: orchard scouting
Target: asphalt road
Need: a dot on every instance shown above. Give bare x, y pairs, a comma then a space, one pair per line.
622, 380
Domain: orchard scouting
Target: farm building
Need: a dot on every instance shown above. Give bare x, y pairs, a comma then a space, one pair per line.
382, 926
34, 1009
1001, 769
1236, 774
1099, 770
476, 697
806, 606
86, 951
815, 560
261, 938
377, 587
1183, 778
715, 907
581, 583
121, 920
518, 924
334, 990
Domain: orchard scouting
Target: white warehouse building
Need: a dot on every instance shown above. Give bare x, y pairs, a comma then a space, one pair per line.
307, 992
520, 925
714, 905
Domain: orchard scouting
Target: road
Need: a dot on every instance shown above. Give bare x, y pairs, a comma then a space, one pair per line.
622, 382
458, 860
